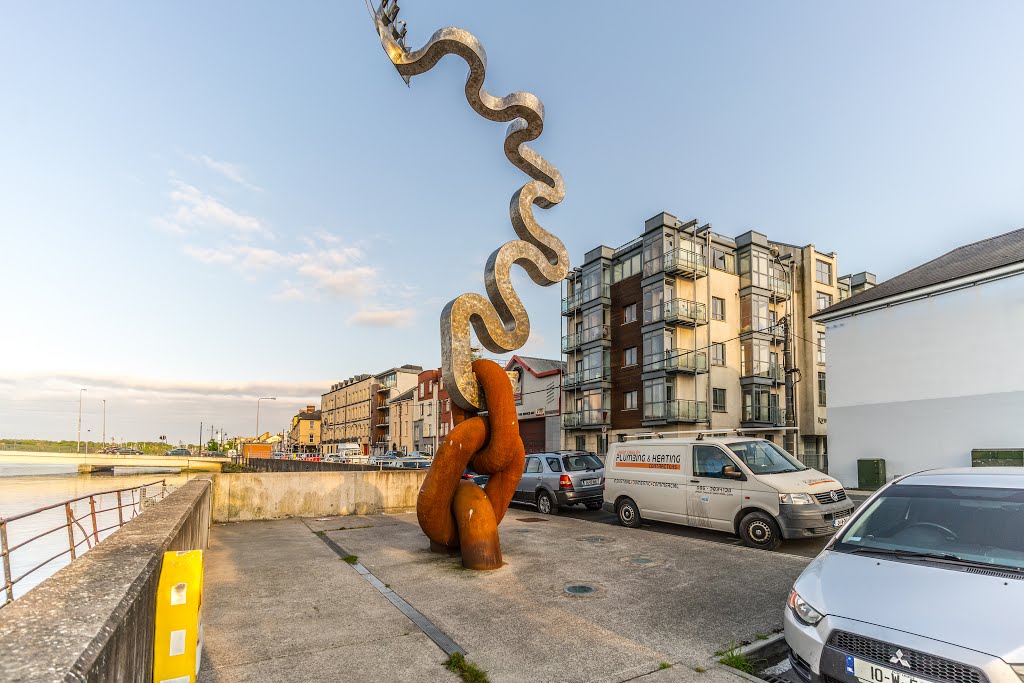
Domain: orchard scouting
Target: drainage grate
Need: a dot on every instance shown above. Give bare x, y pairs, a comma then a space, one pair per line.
579, 589
641, 560
595, 539
522, 531
532, 519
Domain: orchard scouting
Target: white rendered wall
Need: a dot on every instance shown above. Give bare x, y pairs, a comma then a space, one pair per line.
921, 384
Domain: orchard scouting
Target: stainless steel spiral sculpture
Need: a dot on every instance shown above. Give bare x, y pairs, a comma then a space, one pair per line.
500, 320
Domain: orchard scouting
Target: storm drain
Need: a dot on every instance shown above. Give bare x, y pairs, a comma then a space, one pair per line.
641, 560
522, 531
595, 539
579, 589
532, 519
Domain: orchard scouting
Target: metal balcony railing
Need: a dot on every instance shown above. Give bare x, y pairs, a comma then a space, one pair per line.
773, 415
590, 417
679, 410
685, 262
571, 303
772, 371
684, 311
780, 288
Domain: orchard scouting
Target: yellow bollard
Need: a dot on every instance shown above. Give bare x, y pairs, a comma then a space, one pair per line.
179, 624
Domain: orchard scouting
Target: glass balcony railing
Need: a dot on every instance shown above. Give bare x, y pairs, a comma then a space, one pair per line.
573, 379
595, 292
686, 262
571, 303
679, 410
571, 341
771, 415
684, 311
780, 288
589, 417
686, 361
772, 371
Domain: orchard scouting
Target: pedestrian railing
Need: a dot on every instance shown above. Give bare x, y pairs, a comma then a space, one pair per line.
80, 527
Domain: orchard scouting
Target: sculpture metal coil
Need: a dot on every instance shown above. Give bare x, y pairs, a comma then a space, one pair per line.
500, 320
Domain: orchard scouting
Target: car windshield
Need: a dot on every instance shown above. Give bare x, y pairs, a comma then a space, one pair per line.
953, 524
581, 462
764, 457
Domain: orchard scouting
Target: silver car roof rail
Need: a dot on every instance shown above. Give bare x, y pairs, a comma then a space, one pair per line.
701, 433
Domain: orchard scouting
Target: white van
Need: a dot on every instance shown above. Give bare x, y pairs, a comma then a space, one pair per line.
742, 485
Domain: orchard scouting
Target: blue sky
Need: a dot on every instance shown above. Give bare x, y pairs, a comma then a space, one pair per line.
201, 203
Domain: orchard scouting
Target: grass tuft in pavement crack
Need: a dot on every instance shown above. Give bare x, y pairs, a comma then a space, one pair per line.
664, 665
351, 559
736, 659
466, 670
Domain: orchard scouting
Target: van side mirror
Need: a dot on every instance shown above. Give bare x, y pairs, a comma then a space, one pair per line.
730, 472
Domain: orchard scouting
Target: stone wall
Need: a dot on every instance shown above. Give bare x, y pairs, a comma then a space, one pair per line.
93, 620
274, 495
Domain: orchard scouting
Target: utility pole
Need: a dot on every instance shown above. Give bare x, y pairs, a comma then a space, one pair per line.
200, 438
265, 398
104, 423
78, 449
787, 358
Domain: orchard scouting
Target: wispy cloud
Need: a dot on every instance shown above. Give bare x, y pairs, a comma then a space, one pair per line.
401, 317
196, 209
233, 172
209, 256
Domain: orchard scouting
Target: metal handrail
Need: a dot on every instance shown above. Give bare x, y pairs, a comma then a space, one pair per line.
71, 520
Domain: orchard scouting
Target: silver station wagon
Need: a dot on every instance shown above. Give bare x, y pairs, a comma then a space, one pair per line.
554, 480
925, 584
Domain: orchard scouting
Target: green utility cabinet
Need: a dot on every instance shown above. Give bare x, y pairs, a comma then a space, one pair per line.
997, 457
870, 473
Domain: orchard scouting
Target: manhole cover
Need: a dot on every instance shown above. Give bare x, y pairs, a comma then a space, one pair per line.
522, 531
579, 589
595, 539
532, 519
641, 560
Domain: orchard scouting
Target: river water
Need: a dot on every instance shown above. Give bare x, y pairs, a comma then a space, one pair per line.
28, 487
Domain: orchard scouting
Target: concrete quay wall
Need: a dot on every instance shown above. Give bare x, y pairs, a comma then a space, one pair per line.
93, 620
276, 495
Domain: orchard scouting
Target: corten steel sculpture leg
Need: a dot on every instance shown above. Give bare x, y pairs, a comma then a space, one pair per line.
500, 320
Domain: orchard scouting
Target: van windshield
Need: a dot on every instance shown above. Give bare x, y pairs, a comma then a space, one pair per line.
946, 524
764, 457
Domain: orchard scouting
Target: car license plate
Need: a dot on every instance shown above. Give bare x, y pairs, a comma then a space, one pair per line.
839, 521
590, 482
873, 673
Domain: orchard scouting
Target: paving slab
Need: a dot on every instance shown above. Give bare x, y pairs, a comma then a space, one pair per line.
656, 598
279, 605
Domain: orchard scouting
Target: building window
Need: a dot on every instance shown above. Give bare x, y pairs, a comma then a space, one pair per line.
754, 313
717, 308
581, 443
718, 354
823, 300
654, 301
629, 314
629, 400
821, 347
821, 388
626, 268
629, 357
823, 272
723, 260
718, 400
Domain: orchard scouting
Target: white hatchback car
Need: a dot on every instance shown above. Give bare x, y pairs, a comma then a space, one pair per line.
925, 584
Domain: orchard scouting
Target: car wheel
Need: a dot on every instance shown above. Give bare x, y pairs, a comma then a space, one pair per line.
594, 506
629, 514
759, 530
545, 505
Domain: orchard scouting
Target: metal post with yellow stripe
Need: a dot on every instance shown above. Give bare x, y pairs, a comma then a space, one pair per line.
179, 625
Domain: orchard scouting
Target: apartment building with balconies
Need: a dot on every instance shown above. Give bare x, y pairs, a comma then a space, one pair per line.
346, 411
389, 384
681, 329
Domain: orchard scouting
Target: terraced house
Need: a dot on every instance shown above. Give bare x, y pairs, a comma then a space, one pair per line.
683, 329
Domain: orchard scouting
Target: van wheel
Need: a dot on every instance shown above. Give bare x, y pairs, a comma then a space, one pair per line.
545, 505
629, 514
759, 530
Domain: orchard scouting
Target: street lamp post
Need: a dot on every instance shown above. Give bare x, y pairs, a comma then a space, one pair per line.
265, 398
104, 423
78, 448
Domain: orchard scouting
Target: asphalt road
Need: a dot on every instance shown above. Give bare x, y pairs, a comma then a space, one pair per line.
803, 547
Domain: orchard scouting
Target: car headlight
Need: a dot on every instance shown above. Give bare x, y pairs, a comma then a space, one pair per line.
796, 499
1019, 670
802, 610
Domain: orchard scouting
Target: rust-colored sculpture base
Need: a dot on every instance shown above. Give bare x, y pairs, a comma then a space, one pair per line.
457, 514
